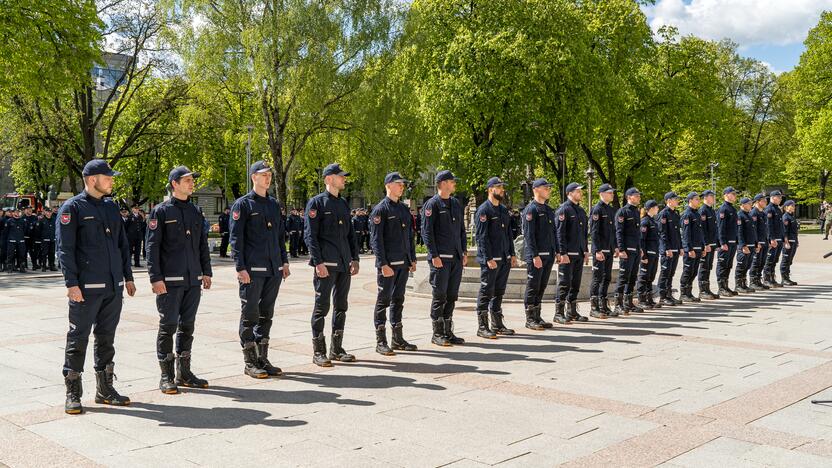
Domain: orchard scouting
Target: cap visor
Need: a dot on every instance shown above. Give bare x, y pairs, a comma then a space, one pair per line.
113, 173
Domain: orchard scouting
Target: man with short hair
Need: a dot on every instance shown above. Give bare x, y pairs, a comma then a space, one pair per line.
571, 230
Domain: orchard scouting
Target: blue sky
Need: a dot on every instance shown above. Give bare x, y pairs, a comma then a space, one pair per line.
769, 30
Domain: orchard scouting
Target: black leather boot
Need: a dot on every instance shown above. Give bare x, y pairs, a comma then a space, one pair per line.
787, 281
652, 301
439, 337
319, 352
184, 376
483, 330
619, 307
336, 350
667, 300
166, 383
263, 352
449, 332
642, 301
381, 342
74, 392
740, 285
531, 319
705, 292
560, 316
572, 312
498, 326
595, 308
104, 391
631, 306
399, 343
252, 362
723, 289
540, 320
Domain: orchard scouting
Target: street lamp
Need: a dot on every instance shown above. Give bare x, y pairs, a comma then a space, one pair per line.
248, 158
590, 175
713, 166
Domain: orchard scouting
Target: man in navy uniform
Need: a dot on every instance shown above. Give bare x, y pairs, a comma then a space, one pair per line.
95, 261
650, 258
709, 229
746, 245
47, 239
571, 230
495, 254
15, 236
603, 250
32, 237
628, 241
443, 230
224, 222
693, 244
727, 234
334, 254
178, 263
670, 248
774, 218
257, 234
295, 227
759, 215
791, 226
539, 251
392, 240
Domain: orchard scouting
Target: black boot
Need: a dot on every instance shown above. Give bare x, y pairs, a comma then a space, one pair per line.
749, 285
631, 306
439, 337
619, 307
184, 376
319, 352
733, 293
263, 352
652, 301
686, 293
483, 330
381, 342
104, 391
723, 289
399, 343
787, 281
531, 319
667, 300
449, 332
642, 301
740, 285
74, 391
540, 320
166, 384
336, 350
498, 326
572, 312
595, 308
252, 362
705, 292
560, 317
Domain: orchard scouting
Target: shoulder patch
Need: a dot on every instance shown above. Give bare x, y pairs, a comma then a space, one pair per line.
376, 219
483, 218
152, 223
595, 217
687, 221
644, 229
664, 220
721, 215
703, 217
620, 219
313, 213
66, 218
236, 215
769, 215
561, 216
529, 216
428, 211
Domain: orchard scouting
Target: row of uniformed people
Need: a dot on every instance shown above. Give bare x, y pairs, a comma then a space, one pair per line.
25, 234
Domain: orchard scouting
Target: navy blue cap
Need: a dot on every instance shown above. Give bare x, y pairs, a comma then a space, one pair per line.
178, 172
493, 182
443, 176
631, 191
605, 188
775, 193
745, 200
258, 167
728, 190
573, 186
650, 204
692, 195
670, 195
541, 183
394, 177
708, 192
98, 167
334, 169
788, 203
759, 197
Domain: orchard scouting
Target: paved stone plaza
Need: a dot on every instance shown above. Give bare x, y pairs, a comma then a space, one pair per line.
725, 383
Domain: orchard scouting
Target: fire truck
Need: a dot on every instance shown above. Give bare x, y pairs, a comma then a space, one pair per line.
11, 201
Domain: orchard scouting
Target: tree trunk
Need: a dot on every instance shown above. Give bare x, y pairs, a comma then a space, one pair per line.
824, 179
608, 152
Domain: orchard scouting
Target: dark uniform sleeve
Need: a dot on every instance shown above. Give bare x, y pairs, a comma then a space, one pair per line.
153, 243
427, 229
204, 252
663, 230
353, 241
686, 237
481, 232
124, 247
619, 230
284, 256
237, 237
66, 236
560, 231
412, 234
529, 234
377, 234
642, 241
462, 234
310, 233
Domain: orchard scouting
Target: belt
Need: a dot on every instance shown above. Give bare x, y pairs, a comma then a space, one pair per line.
497, 259
121, 283
651, 252
631, 249
445, 256
400, 262
697, 248
712, 245
543, 254
95, 286
331, 264
605, 251
572, 253
732, 242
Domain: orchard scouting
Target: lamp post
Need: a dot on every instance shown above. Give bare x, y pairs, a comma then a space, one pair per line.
562, 159
248, 158
590, 176
713, 167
